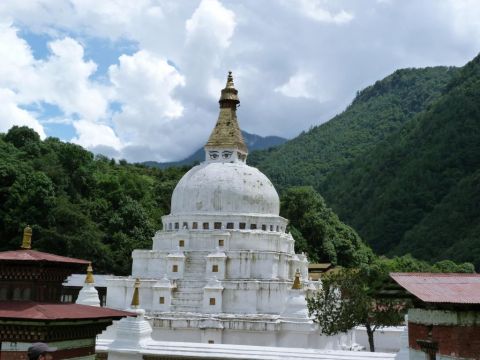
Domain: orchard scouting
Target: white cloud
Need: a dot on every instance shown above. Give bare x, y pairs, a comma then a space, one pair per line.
11, 114
63, 79
91, 134
464, 16
315, 9
144, 84
144, 80
298, 86
301, 60
211, 21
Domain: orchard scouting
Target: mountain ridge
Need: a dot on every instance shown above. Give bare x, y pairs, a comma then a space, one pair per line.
253, 142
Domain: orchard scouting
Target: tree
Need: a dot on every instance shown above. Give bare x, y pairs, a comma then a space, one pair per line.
350, 297
319, 232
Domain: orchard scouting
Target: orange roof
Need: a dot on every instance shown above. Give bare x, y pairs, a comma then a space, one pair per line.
441, 288
29, 310
33, 255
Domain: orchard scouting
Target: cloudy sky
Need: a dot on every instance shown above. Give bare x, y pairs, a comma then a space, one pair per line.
140, 79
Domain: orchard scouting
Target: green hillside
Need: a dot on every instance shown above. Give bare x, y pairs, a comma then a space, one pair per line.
377, 112
77, 204
419, 190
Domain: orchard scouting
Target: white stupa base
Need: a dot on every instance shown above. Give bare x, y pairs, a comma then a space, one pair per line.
88, 295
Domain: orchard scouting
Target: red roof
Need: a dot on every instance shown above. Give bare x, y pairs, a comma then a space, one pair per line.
33, 255
29, 310
441, 288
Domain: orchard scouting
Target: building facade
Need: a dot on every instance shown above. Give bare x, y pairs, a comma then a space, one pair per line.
445, 320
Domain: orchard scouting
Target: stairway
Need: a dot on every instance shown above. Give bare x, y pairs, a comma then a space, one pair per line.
188, 297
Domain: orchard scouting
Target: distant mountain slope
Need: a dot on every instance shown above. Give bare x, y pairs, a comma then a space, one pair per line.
377, 112
253, 142
419, 190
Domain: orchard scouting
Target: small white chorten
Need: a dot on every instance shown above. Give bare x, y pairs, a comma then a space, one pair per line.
88, 295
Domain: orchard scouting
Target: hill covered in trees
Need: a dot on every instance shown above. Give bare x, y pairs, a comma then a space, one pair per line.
418, 191
377, 112
77, 204
401, 164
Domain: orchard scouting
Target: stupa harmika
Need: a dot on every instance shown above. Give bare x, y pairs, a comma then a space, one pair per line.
223, 267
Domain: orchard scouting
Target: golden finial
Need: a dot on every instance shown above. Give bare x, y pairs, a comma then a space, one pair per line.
27, 238
230, 83
89, 279
136, 296
296, 283
229, 95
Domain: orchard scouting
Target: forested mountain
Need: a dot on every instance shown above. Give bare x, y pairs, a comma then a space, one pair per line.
377, 112
77, 204
419, 190
253, 142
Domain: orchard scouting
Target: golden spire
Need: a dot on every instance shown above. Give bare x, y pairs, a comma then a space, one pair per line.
27, 238
136, 296
89, 279
296, 283
227, 133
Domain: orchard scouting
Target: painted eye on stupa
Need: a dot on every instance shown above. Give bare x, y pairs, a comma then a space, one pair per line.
227, 154
213, 155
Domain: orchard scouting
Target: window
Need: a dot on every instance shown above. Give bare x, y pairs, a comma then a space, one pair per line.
253, 226
271, 227
214, 268
211, 342
277, 228
221, 242
185, 225
241, 225
177, 225
175, 268
162, 300
205, 226
229, 225
212, 301
264, 227
195, 225
181, 243
217, 225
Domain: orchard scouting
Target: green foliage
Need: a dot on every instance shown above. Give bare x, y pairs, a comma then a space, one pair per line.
78, 205
377, 112
318, 231
418, 191
350, 297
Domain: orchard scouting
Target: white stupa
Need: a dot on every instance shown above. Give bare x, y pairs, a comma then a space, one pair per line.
222, 268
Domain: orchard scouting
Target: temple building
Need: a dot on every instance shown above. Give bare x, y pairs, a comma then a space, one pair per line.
223, 269
444, 322
31, 308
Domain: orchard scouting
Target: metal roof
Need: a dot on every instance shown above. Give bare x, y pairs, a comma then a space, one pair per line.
33, 255
29, 310
441, 288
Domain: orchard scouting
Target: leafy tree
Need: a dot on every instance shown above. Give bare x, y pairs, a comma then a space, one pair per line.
349, 298
355, 296
318, 230
77, 204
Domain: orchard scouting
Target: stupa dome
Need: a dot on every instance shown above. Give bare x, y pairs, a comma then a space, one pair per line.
216, 188
224, 183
